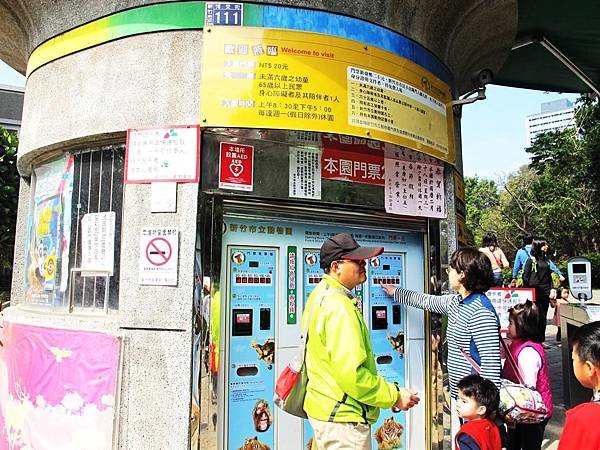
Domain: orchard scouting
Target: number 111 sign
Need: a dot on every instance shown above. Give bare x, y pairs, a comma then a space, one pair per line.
228, 14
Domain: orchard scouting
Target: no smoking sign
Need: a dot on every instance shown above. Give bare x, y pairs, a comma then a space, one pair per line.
158, 256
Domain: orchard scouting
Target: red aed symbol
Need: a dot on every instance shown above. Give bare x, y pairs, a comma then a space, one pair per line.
236, 166
158, 251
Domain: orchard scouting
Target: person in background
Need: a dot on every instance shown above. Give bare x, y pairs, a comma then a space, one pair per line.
562, 296
489, 247
581, 431
530, 357
477, 403
537, 275
522, 256
344, 391
472, 321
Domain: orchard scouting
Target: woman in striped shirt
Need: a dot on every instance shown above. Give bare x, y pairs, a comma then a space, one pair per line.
473, 325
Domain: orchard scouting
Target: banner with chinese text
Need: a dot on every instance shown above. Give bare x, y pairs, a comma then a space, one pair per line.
349, 158
296, 80
414, 184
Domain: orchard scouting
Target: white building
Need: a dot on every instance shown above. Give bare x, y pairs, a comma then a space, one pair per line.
554, 116
11, 106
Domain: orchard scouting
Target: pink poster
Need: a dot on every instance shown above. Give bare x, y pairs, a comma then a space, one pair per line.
57, 388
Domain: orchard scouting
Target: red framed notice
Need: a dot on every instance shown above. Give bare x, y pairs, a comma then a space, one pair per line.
236, 167
165, 154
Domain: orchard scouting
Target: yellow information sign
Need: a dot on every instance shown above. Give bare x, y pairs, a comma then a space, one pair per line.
262, 78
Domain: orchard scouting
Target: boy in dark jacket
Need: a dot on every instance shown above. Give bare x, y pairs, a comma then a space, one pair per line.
478, 400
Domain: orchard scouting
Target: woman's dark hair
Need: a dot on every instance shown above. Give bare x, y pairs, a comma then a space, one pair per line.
536, 247
482, 390
476, 267
526, 317
489, 239
586, 342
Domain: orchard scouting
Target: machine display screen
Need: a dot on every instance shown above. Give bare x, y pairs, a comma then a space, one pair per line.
579, 268
242, 318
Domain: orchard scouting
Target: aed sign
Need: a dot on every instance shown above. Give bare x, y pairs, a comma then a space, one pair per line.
158, 256
236, 168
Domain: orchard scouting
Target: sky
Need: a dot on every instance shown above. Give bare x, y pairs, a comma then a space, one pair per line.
493, 130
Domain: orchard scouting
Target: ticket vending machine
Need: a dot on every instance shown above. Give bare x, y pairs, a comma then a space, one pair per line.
268, 270
386, 325
252, 290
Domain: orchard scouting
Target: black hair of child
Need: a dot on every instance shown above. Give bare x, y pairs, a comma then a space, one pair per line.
526, 317
482, 390
586, 341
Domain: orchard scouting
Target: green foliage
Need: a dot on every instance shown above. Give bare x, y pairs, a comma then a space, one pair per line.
556, 196
594, 258
9, 193
481, 195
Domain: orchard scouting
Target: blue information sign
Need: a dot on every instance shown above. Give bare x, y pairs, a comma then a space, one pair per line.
229, 14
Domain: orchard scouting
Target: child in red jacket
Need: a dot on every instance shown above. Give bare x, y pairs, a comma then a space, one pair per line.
581, 431
477, 401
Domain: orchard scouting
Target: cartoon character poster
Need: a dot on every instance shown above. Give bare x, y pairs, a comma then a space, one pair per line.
57, 388
49, 231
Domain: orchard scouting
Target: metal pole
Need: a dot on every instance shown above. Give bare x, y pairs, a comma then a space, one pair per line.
544, 42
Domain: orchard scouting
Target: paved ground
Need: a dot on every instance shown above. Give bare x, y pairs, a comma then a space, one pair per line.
555, 365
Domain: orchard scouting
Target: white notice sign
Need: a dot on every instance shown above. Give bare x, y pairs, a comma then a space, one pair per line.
305, 173
159, 248
163, 197
163, 154
98, 244
414, 184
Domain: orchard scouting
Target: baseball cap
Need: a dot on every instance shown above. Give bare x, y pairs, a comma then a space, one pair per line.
343, 246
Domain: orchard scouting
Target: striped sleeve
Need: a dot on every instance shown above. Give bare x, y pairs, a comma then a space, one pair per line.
484, 330
435, 303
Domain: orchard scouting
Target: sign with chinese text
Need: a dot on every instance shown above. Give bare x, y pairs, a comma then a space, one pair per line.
305, 172
505, 298
163, 154
459, 195
461, 231
98, 243
349, 158
303, 81
414, 184
220, 13
236, 167
292, 299
159, 248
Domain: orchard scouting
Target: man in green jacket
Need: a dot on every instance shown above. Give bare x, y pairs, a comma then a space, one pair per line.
344, 392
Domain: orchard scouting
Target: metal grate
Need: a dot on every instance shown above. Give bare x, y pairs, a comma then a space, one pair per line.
97, 187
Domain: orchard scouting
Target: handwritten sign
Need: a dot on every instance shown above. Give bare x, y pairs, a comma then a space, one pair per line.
163, 154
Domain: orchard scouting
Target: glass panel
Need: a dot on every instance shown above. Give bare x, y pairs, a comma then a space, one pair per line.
207, 405
64, 190
98, 188
272, 149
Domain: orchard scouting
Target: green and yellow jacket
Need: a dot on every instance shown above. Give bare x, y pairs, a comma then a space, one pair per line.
343, 385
